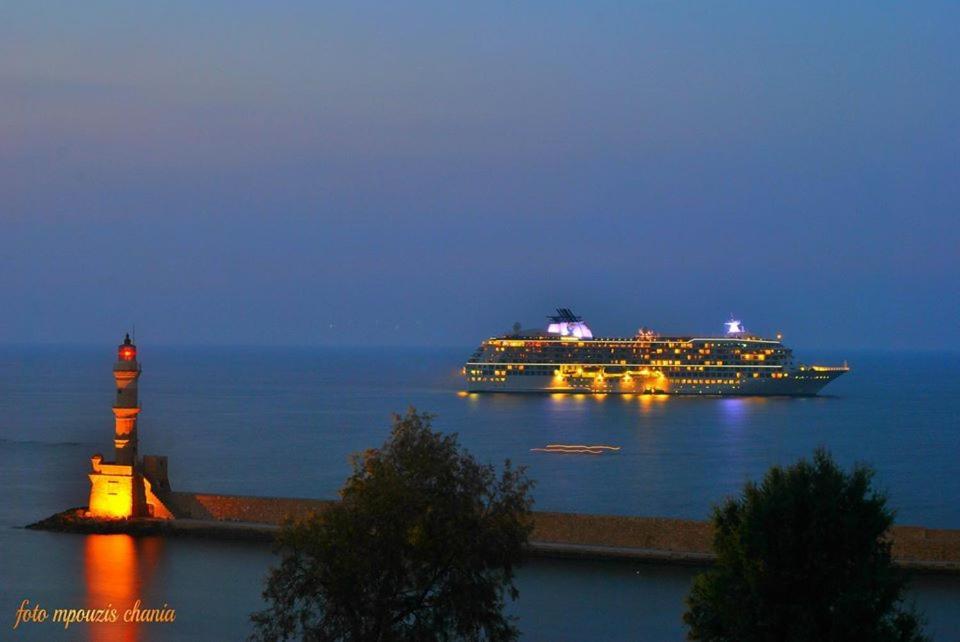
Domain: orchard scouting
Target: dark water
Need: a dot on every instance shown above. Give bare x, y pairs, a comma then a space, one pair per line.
283, 422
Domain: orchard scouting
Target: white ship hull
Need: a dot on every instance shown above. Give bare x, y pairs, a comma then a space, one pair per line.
798, 384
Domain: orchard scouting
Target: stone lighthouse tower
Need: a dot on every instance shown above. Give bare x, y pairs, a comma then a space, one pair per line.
126, 372
119, 488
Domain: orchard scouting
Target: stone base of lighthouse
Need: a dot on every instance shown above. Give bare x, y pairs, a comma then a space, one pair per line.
118, 491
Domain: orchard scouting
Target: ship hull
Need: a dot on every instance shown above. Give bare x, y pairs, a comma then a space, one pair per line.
805, 383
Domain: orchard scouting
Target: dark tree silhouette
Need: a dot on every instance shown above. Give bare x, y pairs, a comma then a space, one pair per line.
803, 556
422, 545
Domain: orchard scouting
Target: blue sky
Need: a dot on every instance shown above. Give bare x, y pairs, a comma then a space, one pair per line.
364, 173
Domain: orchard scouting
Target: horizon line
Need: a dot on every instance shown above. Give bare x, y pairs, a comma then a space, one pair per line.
371, 346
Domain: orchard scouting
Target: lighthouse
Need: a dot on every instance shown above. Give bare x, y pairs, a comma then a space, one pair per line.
126, 372
122, 488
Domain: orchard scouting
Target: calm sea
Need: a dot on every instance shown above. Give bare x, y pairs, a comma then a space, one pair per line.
284, 422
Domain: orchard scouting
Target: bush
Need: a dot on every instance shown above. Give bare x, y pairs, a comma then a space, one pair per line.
803, 556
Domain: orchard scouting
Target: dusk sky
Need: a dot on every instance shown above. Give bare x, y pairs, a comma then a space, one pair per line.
384, 173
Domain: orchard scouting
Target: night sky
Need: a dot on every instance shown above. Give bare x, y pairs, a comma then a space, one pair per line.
380, 174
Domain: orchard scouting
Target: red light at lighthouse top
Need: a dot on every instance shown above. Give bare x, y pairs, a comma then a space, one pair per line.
126, 351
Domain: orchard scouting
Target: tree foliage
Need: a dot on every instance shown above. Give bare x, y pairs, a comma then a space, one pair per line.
422, 545
804, 555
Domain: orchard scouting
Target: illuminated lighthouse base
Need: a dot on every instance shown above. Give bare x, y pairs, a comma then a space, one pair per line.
116, 490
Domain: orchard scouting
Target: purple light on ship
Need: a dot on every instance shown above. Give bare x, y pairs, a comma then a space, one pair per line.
567, 324
576, 329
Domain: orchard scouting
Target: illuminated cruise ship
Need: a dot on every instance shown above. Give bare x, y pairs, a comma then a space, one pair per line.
566, 357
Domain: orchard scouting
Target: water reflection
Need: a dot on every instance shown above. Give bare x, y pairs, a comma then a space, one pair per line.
117, 568
733, 410
647, 402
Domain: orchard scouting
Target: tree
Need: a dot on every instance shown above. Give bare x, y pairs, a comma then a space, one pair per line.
422, 545
803, 556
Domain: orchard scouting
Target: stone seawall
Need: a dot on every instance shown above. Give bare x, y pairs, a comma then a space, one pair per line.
692, 540
623, 532
578, 535
933, 548
238, 508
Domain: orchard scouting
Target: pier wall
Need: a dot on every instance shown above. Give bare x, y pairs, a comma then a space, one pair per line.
239, 508
579, 535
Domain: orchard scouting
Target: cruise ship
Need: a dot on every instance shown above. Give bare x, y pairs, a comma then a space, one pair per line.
567, 358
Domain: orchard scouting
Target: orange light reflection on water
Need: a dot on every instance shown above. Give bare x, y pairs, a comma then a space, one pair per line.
116, 569
647, 401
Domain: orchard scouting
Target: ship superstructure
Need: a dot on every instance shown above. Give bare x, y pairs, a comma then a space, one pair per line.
566, 357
